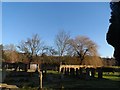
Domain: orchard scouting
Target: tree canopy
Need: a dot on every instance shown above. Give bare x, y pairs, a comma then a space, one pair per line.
113, 34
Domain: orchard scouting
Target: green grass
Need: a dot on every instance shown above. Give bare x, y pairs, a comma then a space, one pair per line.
113, 66
109, 81
53, 82
110, 76
53, 72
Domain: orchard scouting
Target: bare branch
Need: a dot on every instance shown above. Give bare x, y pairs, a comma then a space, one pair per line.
61, 42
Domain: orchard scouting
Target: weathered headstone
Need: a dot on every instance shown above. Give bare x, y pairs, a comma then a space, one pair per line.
77, 72
62, 70
100, 73
72, 71
87, 73
67, 71
92, 72
81, 72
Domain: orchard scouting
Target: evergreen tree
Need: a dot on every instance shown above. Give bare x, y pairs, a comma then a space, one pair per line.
113, 35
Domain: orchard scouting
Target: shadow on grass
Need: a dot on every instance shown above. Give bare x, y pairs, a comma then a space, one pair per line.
22, 79
53, 81
73, 82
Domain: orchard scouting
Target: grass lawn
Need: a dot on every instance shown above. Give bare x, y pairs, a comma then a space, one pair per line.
109, 81
54, 82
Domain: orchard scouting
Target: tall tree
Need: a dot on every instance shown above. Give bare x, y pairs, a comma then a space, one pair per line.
61, 41
113, 34
31, 46
83, 46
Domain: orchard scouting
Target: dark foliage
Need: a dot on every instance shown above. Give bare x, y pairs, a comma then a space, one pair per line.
113, 35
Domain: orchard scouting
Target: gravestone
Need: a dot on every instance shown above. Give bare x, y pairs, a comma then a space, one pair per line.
87, 73
62, 70
72, 72
67, 71
100, 73
77, 72
92, 72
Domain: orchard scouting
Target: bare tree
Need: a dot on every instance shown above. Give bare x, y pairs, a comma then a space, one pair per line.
83, 46
31, 46
52, 51
49, 50
61, 42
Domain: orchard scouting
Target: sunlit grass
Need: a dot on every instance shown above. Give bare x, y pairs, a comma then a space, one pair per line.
110, 80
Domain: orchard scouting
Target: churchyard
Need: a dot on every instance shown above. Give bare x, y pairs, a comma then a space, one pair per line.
56, 80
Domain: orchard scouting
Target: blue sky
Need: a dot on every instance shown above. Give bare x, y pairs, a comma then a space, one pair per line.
21, 20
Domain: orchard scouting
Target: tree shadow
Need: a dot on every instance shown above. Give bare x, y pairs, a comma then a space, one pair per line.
22, 78
90, 83
54, 81
73, 82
